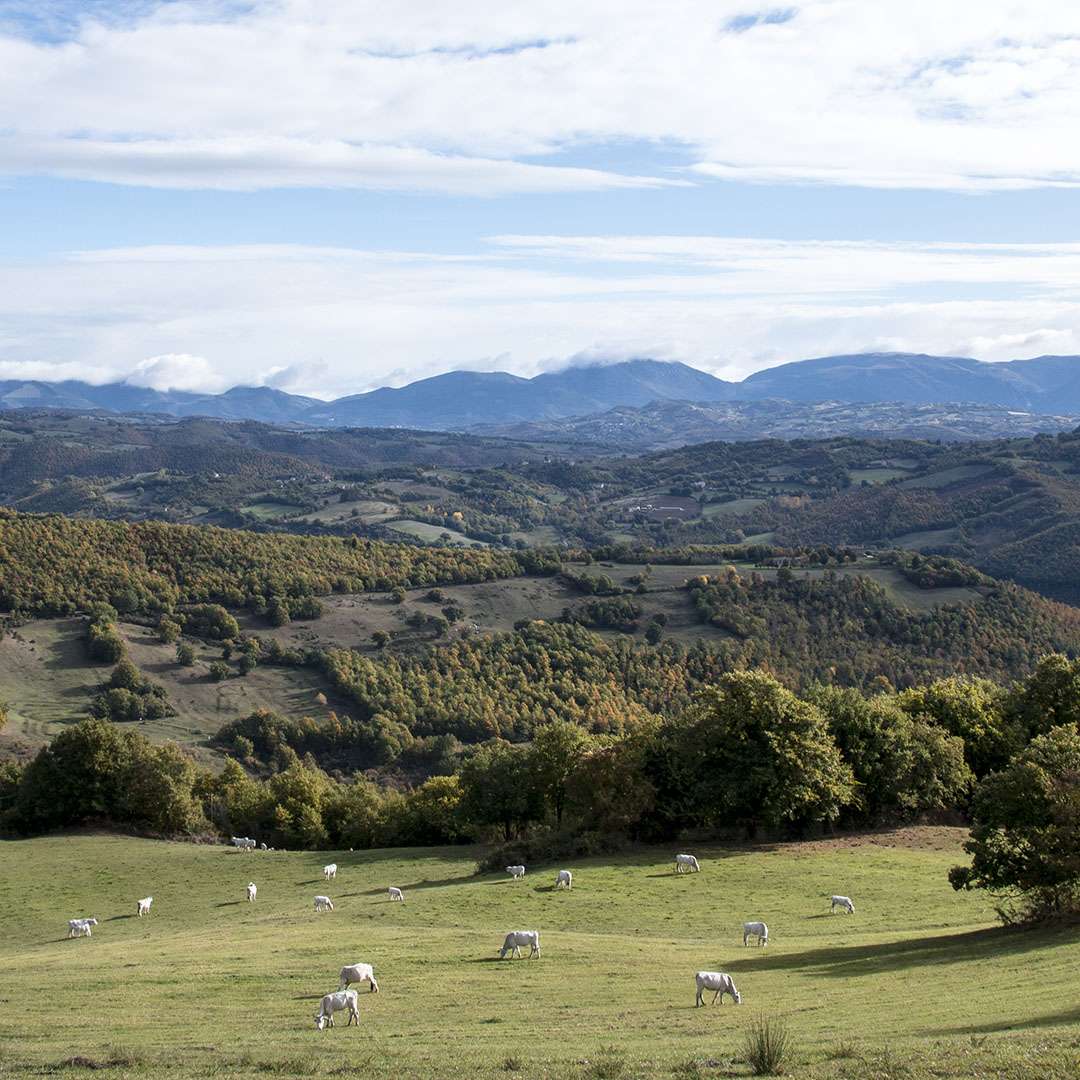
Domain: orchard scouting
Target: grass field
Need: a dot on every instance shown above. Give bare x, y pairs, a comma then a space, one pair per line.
918, 983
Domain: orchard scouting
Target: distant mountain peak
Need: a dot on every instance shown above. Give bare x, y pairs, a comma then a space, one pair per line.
455, 400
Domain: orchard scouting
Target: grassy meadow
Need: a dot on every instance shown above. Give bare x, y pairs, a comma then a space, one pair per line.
918, 983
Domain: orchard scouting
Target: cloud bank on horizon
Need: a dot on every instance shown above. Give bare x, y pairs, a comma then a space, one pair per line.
329, 197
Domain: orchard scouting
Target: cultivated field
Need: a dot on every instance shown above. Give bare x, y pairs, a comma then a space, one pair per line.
918, 983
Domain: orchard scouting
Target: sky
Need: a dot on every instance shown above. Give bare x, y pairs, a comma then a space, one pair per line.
327, 196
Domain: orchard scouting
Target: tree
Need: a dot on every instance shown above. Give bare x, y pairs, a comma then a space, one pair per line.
972, 709
556, 749
1025, 836
902, 765
498, 787
755, 754
219, 670
185, 655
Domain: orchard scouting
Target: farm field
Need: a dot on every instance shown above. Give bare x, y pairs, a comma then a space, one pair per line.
918, 983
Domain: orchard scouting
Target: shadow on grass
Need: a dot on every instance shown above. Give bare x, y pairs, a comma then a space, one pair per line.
843, 961
496, 959
113, 918
230, 903
1066, 1016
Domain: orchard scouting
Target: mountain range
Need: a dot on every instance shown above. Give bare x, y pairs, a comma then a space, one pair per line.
461, 399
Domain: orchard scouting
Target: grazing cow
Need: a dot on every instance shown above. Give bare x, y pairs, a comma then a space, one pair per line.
330, 871
686, 864
755, 929
395, 894
79, 927
516, 938
332, 1003
516, 872
322, 903
844, 902
565, 878
244, 843
252, 890
358, 973
143, 907
721, 983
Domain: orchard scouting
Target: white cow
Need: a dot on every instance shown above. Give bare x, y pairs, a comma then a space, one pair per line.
516, 938
358, 973
332, 1003
79, 927
244, 843
144, 906
322, 903
686, 864
395, 894
564, 878
844, 902
330, 871
516, 872
252, 890
721, 983
755, 929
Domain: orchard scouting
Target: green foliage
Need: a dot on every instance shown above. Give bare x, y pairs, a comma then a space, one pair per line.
219, 670
93, 771
902, 766
499, 788
754, 754
1025, 835
185, 655
103, 643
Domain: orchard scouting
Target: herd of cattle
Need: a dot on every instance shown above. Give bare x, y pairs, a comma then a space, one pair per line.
344, 998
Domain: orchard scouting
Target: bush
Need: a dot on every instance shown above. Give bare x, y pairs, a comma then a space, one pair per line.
219, 670
185, 655
769, 1047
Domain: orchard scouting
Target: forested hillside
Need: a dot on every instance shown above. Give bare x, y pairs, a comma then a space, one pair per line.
1010, 506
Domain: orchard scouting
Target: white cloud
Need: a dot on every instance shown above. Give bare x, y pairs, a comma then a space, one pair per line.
178, 371
209, 318
455, 97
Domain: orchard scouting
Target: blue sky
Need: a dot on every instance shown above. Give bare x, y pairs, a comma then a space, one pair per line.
332, 195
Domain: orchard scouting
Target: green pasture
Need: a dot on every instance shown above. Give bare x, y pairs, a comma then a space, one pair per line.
875, 476
947, 477
918, 983
431, 533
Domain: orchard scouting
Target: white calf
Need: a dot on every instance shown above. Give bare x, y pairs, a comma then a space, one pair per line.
358, 973
715, 980
252, 890
322, 903
78, 927
564, 878
330, 871
332, 1003
144, 906
755, 929
395, 894
844, 902
686, 864
516, 938
516, 871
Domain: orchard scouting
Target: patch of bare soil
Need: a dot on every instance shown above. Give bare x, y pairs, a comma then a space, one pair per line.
914, 837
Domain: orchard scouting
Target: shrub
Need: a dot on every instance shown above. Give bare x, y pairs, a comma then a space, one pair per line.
769, 1047
219, 670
